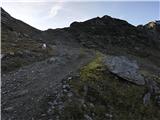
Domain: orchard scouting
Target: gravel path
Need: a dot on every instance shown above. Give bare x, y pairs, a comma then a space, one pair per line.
24, 91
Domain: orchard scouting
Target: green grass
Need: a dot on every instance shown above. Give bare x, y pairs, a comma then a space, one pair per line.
109, 95
94, 70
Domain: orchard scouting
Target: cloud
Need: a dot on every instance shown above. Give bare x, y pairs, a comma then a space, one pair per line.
55, 9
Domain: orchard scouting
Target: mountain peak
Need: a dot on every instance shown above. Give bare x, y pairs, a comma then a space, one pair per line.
153, 25
101, 21
106, 17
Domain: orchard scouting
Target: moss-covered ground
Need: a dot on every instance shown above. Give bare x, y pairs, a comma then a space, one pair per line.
104, 96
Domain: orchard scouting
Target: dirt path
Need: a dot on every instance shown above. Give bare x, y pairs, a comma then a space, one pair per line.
25, 90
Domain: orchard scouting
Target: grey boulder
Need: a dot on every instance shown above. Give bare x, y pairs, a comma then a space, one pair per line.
125, 68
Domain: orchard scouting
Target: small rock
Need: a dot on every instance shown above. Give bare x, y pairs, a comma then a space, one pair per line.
60, 107
57, 117
87, 117
11, 53
4, 92
8, 109
21, 93
51, 60
91, 105
108, 115
55, 102
84, 105
27, 52
146, 98
70, 94
69, 100
93, 114
26, 35
81, 101
66, 87
50, 103
152, 86
158, 100
3, 75
13, 44
64, 90
85, 90
50, 112
69, 78
43, 115
137, 48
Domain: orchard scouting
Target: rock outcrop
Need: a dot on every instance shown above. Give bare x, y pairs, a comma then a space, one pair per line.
108, 31
125, 68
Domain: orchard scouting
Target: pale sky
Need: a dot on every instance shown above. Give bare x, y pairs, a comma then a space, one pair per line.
44, 14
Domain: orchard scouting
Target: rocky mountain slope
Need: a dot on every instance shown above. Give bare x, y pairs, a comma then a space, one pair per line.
100, 69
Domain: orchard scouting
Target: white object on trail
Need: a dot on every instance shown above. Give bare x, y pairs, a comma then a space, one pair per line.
44, 46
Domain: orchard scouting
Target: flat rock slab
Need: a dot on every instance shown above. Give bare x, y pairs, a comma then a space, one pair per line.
125, 68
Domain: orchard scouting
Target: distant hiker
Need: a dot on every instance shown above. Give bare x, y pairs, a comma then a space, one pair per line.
44, 46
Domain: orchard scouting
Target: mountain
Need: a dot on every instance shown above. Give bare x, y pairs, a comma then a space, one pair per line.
17, 25
100, 69
21, 43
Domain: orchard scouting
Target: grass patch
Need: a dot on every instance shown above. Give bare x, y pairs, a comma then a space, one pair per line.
94, 70
109, 95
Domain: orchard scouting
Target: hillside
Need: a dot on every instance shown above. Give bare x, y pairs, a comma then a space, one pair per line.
100, 69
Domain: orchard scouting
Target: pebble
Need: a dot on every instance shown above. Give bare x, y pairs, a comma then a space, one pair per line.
43, 115
87, 117
66, 87
51, 60
55, 102
65, 90
8, 109
146, 98
108, 115
91, 105
69, 78
57, 117
158, 100
21, 93
50, 103
70, 94
4, 92
84, 105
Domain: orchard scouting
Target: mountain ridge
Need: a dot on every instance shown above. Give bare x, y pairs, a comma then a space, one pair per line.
100, 69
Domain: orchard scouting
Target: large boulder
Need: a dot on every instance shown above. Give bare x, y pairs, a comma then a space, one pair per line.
125, 68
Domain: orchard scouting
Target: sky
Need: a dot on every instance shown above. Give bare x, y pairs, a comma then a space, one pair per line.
45, 14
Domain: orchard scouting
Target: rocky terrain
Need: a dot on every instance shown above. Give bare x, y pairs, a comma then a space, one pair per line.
100, 69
